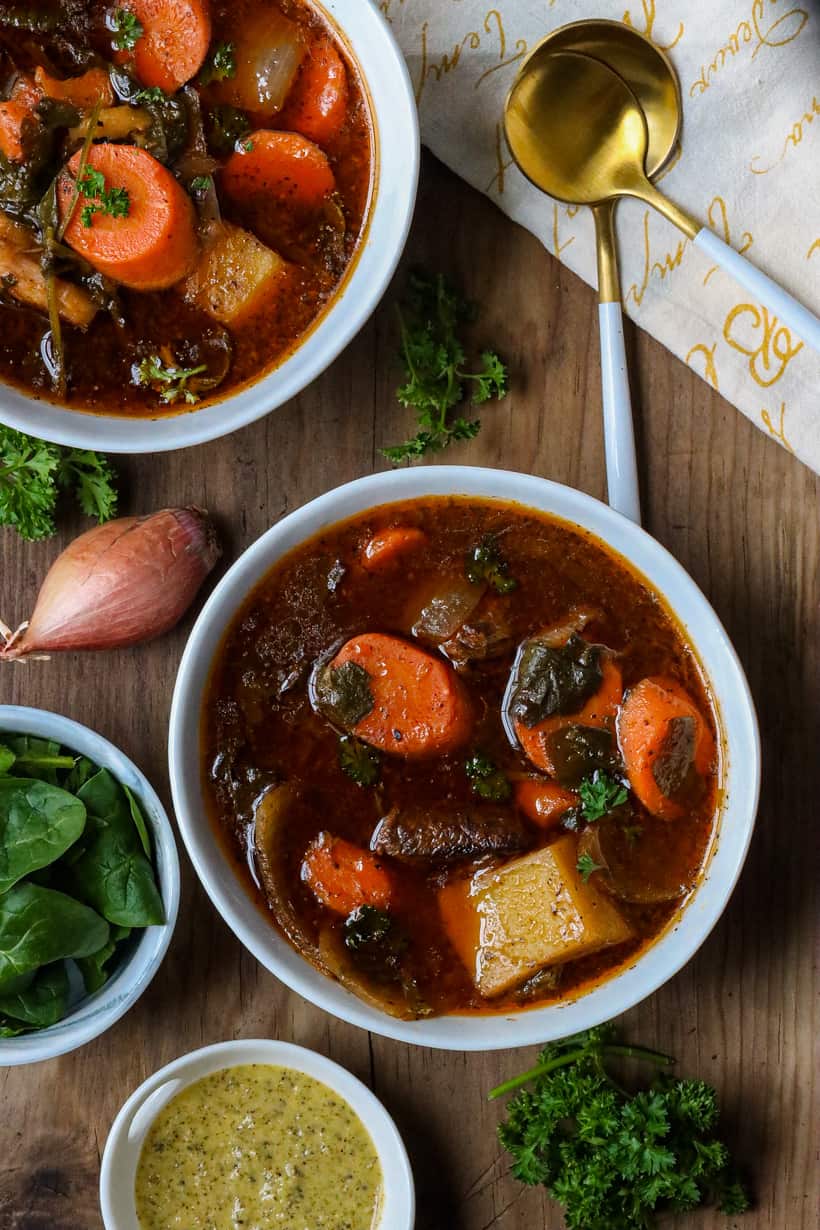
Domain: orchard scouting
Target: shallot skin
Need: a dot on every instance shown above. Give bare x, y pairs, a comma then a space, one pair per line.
120, 584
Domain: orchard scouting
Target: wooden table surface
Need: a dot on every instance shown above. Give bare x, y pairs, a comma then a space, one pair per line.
740, 514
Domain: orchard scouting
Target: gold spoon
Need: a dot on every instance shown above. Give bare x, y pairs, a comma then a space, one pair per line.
578, 132
649, 73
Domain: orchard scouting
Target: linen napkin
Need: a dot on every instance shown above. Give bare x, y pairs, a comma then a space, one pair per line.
748, 165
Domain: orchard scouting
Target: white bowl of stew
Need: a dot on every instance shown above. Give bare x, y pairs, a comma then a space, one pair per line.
299, 1133
240, 212
255, 739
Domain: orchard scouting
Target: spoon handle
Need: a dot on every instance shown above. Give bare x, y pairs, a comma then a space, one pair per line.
791, 313
619, 436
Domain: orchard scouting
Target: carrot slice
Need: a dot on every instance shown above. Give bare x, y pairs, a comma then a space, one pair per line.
390, 547
599, 711
173, 44
662, 735
282, 165
420, 708
544, 802
85, 91
342, 876
14, 116
317, 103
154, 244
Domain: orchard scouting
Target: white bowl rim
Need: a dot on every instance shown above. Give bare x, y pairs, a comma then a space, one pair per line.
122, 1149
397, 156
96, 1013
653, 966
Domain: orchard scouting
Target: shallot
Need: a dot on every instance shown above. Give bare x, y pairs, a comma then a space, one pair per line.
121, 583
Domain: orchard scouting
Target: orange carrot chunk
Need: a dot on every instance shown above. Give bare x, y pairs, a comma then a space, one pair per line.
92, 87
173, 44
391, 546
150, 246
282, 165
317, 103
663, 740
599, 711
419, 705
545, 803
14, 116
342, 876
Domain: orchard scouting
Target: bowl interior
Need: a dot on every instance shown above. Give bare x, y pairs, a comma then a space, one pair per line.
93, 1014
396, 155
704, 632
128, 1132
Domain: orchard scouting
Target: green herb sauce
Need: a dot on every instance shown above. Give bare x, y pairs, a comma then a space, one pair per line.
258, 1146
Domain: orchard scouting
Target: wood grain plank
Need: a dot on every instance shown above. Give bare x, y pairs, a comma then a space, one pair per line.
742, 517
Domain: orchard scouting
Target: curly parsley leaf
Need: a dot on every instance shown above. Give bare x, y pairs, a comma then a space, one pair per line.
127, 29
600, 794
616, 1160
486, 563
220, 66
361, 763
586, 866
169, 381
430, 317
487, 781
101, 200
32, 472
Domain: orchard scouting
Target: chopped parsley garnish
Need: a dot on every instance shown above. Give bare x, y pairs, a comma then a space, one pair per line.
600, 794
246, 147
586, 866
434, 358
201, 184
33, 472
487, 781
150, 96
220, 66
361, 763
170, 382
101, 200
127, 29
486, 563
614, 1159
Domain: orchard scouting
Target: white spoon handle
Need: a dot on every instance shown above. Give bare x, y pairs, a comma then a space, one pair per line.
619, 436
796, 317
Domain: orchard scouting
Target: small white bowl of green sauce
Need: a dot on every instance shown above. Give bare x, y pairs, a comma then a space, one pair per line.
258, 1132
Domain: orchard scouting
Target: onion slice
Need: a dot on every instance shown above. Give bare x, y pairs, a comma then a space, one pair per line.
121, 583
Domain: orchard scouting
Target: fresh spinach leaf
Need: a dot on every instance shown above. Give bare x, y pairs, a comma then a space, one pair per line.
343, 693
39, 926
83, 769
7, 758
554, 679
112, 874
44, 1002
139, 821
93, 968
37, 758
38, 823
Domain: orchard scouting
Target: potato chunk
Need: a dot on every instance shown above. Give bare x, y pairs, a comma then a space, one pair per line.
235, 274
23, 276
508, 922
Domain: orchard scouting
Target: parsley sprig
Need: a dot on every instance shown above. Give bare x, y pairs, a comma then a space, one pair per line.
362, 764
487, 781
32, 474
600, 794
101, 200
615, 1160
127, 28
485, 563
220, 66
586, 866
434, 358
169, 381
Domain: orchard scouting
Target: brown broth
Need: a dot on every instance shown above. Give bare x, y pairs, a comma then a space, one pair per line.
99, 361
258, 727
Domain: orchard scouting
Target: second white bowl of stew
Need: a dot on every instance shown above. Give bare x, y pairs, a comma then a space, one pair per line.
464, 757
201, 202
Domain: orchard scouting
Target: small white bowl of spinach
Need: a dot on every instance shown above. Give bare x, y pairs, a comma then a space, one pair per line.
89, 884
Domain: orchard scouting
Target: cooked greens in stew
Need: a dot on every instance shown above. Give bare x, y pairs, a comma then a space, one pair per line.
463, 756
182, 187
